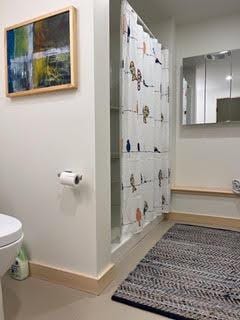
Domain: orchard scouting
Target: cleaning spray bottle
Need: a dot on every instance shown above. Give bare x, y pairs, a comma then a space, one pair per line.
20, 268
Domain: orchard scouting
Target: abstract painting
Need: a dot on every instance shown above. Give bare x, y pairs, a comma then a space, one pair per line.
41, 54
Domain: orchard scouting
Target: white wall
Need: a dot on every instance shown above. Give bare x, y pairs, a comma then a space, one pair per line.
102, 133
43, 135
206, 156
166, 33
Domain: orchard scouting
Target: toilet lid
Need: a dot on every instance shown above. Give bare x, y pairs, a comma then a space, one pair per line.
10, 230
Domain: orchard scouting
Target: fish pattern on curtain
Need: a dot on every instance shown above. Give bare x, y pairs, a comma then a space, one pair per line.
145, 172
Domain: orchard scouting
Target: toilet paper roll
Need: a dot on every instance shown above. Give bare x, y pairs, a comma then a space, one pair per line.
70, 179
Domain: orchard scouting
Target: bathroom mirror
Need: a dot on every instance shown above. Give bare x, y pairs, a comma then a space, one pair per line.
211, 88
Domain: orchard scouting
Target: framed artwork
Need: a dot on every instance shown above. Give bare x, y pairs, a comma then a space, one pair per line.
41, 54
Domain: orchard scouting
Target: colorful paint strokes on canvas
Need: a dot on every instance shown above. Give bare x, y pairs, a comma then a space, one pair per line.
38, 54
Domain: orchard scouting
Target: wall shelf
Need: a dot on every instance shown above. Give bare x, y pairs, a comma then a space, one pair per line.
116, 109
207, 191
115, 156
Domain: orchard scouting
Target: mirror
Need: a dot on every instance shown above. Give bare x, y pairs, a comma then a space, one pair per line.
211, 88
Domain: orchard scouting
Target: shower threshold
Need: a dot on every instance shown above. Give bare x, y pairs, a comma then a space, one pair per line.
129, 241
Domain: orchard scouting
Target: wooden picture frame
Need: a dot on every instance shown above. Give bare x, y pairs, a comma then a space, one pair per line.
41, 54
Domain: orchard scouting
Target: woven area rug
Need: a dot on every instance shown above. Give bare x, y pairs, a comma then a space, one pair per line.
191, 273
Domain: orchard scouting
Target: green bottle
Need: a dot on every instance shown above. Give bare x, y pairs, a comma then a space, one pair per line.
20, 268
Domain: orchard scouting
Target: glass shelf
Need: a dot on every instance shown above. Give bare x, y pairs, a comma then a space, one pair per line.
115, 156
115, 109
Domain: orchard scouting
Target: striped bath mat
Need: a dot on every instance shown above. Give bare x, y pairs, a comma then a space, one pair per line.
192, 273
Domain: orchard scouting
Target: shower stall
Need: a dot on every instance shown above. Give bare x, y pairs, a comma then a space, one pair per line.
140, 170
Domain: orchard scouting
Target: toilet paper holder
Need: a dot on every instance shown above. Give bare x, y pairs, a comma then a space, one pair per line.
77, 179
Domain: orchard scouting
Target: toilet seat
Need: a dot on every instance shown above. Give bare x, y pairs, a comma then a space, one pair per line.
10, 230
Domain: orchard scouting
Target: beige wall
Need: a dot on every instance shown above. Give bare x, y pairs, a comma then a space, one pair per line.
43, 135
206, 156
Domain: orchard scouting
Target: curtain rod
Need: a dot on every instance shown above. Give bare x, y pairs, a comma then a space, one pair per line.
147, 29
140, 20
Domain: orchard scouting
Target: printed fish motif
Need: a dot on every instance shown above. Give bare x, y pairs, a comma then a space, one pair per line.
128, 33
132, 183
160, 177
138, 216
157, 61
146, 113
133, 71
163, 200
128, 146
139, 79
145, 208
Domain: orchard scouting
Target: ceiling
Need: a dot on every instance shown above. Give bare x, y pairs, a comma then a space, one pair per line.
184, 11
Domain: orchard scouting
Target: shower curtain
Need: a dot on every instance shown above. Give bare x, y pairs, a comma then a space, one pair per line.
144, 122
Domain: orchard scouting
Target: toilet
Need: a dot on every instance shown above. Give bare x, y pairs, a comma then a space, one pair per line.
11, 238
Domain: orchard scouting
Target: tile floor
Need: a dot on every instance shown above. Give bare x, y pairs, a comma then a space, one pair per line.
39, 300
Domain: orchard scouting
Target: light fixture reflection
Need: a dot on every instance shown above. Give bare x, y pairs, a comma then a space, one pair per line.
229, 78
224, 52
